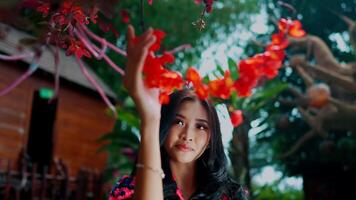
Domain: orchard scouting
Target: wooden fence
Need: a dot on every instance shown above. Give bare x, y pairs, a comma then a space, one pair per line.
27, 183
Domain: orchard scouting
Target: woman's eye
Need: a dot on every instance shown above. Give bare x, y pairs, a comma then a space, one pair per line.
179, 122
202, 127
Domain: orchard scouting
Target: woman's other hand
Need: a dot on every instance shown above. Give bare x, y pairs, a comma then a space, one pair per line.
146, 99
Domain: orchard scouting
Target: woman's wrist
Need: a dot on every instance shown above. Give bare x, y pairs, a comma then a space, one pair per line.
150, 120
150, 127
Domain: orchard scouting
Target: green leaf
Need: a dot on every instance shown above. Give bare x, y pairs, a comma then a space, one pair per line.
271, 90
233, 68
206, 79
128, 117
220, 70
264, 95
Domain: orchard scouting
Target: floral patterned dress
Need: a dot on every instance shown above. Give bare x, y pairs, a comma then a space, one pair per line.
124, 189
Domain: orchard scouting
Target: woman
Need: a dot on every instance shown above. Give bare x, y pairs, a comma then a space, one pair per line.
180, 142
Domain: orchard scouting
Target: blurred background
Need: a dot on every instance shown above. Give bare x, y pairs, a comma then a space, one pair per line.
297, 140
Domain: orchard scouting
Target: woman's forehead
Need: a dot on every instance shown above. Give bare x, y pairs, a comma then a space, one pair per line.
193, 109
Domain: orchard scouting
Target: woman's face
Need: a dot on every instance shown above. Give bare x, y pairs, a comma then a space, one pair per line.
189, 134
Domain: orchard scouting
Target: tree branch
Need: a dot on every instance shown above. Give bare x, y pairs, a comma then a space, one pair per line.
307, 136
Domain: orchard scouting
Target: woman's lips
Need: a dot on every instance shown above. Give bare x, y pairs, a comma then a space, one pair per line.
184, 147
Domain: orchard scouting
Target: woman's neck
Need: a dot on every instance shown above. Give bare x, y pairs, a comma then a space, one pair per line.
185, 177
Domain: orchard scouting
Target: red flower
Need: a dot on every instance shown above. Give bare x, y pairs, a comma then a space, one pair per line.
163, 97
166, 58
169, 80
77, 48
208, 5
150, 2
248, 76
272, 62
70, 13
44, 9
193, 76
201, 89
78, 15
296, 30
221, 87
292, 28
125, 16
236, 117
159, 37
278, 41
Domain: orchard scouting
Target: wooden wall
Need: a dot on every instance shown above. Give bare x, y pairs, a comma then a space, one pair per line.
15, 111
80, 120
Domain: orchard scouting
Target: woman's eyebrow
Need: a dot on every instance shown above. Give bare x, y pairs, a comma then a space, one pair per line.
199, 120
203, 120
179, 115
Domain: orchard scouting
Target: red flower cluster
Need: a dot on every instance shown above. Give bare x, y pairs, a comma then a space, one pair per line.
63, 20
69, 13
250, 70
156, 76
222, 87
268, 63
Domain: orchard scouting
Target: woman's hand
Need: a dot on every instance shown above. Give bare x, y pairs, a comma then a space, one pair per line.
146, 99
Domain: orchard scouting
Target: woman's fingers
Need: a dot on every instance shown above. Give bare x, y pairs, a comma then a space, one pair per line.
144, 46
136, 55
130, 35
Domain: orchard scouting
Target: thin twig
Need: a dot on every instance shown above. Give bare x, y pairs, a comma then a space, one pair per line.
101, 40
56, 58
180, 48
97, 86
16, 57
142, 21
33, 67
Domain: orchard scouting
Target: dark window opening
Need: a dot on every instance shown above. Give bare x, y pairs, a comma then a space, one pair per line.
40, 141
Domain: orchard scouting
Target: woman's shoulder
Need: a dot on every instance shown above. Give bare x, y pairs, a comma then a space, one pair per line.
123, 188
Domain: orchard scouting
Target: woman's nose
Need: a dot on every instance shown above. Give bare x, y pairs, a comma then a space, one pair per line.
187, 134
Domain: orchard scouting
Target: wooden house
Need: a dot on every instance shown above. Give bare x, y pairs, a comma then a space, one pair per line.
67, 128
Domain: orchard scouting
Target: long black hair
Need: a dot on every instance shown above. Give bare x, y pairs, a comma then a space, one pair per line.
212, 177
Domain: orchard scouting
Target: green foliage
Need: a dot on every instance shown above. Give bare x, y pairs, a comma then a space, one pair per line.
122, 138
272, 191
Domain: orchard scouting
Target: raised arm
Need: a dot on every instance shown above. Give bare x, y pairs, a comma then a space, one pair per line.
148, 179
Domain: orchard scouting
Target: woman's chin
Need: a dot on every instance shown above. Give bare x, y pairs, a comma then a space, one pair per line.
183, 159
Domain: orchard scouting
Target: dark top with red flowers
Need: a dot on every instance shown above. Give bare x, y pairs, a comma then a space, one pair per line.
124, 189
